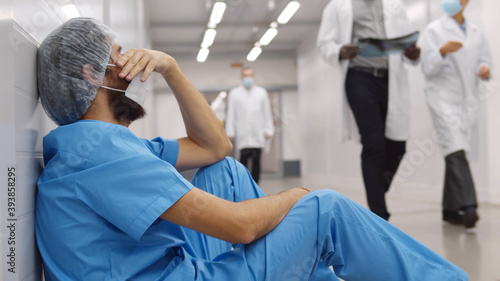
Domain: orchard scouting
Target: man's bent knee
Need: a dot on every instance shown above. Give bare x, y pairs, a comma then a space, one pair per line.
325, 196
221, 166
329, 200
228, 167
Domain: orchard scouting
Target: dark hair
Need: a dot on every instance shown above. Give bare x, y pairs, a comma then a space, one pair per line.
124, 109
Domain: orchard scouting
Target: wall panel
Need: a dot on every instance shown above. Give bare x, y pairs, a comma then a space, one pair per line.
21, 156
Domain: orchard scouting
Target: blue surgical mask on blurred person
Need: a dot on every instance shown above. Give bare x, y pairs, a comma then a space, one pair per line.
136, 90
451, 7
248, 82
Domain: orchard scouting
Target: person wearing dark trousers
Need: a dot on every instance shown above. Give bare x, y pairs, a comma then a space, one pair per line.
367, 96
252, 154
249, 120
459, 192
376, 89
455, 60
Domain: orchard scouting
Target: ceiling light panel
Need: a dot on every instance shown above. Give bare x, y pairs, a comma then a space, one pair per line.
217, 12
288, 12
254, 53
70, 11
202, 55
268, 36
209, 38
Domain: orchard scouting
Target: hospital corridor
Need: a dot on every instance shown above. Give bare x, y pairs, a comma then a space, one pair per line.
351, 140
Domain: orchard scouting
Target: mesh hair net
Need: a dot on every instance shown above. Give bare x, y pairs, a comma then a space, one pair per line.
64, 92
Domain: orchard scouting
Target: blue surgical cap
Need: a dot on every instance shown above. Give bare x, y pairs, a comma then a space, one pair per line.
64, 92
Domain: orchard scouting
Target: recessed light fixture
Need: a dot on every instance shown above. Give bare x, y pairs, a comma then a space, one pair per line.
209, 38
288, 12
202, 55
254, 53
70, 11
268, 36
217, 12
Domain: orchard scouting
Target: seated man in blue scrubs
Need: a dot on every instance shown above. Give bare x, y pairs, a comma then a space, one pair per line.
112, 206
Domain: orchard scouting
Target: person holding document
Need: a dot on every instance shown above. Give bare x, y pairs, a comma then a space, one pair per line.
376, 88
455, 57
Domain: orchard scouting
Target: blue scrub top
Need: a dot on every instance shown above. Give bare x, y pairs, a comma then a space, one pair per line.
98, 203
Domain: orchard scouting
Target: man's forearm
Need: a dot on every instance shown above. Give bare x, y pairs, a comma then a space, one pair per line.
202, 126
241, 222
265, 213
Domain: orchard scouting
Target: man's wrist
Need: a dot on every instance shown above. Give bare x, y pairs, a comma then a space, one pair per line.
300, 192
171, 66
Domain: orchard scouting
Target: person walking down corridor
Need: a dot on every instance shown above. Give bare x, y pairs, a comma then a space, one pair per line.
249, 120
376, 88
455, 57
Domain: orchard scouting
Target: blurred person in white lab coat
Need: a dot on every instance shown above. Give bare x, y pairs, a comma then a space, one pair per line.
455, 58
249, 120
376, 88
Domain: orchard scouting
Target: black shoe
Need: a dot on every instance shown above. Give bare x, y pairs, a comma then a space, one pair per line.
453, 217
467, 217
470, 217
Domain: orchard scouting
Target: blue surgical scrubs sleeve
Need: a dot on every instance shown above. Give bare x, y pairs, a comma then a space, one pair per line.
131, 192
165, 149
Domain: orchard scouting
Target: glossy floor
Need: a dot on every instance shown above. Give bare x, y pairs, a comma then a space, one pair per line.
476, 251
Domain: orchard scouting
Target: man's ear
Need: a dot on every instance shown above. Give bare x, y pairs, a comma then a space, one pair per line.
91, 75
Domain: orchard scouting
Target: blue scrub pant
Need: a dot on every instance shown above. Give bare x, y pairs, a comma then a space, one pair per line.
323, 229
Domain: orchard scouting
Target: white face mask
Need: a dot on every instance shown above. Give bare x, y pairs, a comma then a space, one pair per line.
136, 90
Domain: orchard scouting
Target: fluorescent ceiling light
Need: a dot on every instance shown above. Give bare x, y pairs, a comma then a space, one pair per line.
217, 12
268, 36
288, 12
70, 11
202, 55
209, 38
254, 54
218, 100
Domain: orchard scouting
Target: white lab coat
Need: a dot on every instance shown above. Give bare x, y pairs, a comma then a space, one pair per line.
336, 31
452, 81
249, 117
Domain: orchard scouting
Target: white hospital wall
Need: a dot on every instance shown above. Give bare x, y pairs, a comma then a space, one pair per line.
421, 173
23, 122
323, 158
290, 126
491, 22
